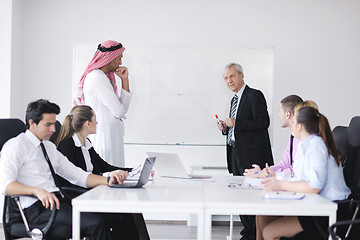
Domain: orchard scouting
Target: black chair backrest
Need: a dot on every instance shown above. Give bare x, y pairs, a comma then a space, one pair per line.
347, 140
353, 161
10, 128
354, 132
56, 133
341, 139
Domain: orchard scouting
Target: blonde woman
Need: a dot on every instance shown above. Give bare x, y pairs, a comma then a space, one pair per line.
74, 144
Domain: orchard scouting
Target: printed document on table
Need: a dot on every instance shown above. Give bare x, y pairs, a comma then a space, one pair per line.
285, 195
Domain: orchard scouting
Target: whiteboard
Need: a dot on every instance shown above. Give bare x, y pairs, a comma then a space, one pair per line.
179, 89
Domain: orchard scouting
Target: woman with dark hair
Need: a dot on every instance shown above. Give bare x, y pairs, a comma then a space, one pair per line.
74, 144
319, 170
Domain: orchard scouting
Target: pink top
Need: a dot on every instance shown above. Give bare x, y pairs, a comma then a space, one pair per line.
285, 163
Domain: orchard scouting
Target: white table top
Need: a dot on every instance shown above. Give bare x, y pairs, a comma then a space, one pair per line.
161, 192
213, 195
204, 198
219, 197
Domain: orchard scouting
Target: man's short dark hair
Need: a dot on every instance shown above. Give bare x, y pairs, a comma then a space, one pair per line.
290, 102
36, 109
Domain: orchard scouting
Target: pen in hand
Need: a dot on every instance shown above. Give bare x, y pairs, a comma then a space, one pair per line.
258, 172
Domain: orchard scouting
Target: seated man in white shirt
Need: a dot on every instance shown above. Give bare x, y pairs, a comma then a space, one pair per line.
24, 170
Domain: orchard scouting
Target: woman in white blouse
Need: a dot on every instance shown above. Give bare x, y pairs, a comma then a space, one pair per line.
321, 173
73, 143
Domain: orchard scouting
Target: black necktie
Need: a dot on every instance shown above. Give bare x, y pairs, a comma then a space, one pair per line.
234, 102
291, 149
50, 166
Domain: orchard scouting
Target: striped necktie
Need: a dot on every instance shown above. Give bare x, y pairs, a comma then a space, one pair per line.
233, 111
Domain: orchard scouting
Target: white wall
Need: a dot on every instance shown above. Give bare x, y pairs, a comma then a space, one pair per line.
316, 43
17, 61
5, 66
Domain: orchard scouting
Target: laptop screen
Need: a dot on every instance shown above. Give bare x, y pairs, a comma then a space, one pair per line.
146, 171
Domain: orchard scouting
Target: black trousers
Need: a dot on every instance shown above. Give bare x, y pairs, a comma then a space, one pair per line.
248, 221
95, 226
238, 170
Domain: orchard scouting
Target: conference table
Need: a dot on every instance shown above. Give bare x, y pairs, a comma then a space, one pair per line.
203, 198
223, 200
162, 195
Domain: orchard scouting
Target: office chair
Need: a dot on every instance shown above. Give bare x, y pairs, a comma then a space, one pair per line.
348, 212
352, 171
14, 222
332, 228
10, 128
56, 133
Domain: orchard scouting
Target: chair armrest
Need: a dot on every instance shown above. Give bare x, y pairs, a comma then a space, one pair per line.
29, 232
341, 223
353, 203
73, 191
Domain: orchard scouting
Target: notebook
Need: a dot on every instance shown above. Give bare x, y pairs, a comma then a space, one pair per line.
170, 165
144, 176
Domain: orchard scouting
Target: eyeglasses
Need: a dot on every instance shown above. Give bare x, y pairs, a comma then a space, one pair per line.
240, 185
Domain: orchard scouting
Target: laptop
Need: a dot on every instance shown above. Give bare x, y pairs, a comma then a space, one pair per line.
143, 179
170, 165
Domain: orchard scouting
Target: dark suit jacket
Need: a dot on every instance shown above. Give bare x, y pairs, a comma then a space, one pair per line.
251, 131
74, 154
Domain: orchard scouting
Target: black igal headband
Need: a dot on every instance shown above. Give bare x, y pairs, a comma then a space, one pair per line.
109, 49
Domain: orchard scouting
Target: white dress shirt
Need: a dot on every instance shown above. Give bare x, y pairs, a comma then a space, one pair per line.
85, 152
22, 160
109, 109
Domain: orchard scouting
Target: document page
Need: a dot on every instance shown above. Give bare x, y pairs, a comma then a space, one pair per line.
284, 195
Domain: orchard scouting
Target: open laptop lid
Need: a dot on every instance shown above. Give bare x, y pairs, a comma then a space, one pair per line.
144, 176
169, 165
146, 171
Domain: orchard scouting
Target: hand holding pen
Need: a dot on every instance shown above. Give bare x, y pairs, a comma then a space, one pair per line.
256, 171
252, 172
220, 123
271, 184
268, 170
